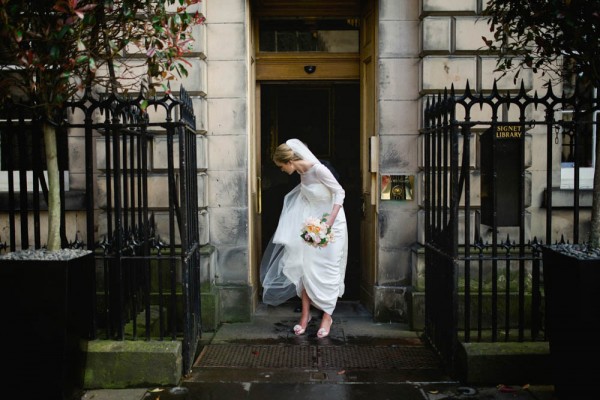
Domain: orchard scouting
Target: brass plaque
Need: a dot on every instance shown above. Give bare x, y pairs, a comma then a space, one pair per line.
397, 187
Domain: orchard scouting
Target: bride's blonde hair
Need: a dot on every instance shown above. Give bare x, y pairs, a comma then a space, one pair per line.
284, 153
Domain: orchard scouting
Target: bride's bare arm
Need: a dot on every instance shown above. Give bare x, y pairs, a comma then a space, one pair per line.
333, 214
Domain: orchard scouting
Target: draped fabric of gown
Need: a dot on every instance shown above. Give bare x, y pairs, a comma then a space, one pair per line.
289, 264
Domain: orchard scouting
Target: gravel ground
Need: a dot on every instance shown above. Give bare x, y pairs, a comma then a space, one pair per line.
43, 254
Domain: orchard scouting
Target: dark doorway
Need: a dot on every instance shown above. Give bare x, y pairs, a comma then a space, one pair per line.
326, 117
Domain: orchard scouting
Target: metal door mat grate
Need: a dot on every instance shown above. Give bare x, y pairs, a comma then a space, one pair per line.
323, 357
377, 357
257, 356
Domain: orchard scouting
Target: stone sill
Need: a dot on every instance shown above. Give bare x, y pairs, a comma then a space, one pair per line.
563, 198
74, 201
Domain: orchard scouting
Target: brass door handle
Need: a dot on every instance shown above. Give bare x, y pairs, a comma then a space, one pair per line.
259, 195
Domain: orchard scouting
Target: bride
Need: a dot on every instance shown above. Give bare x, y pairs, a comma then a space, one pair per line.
291, 266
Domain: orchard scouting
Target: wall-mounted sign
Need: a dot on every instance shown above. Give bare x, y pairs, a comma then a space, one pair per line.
397, 187
501, 161
509, 132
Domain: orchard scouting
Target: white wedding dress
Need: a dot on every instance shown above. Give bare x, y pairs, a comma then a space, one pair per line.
289, 264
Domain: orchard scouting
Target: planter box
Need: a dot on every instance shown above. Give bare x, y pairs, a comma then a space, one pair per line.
572, 292
47, 315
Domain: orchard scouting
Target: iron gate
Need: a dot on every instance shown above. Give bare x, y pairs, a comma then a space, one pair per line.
482, 159
141, 220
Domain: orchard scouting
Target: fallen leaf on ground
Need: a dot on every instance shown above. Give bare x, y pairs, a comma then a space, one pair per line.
506, 389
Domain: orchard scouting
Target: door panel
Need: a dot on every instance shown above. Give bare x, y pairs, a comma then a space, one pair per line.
326, 117
368, 128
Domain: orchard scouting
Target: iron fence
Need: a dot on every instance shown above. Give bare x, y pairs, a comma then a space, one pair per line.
141, 220
483, 228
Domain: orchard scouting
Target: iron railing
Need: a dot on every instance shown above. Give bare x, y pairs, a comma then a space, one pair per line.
141, 220
483, 272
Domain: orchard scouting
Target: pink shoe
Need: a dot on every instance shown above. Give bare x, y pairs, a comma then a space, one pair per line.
299, 330
323, 333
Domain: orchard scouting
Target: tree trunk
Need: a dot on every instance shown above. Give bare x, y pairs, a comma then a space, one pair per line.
53, 187
595, 223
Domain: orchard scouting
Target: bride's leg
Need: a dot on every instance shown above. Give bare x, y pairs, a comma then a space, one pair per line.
305, 309
325, 327
305, 316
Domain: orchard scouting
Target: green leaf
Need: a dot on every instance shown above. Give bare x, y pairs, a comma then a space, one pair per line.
54, 52
63, 32
92, 65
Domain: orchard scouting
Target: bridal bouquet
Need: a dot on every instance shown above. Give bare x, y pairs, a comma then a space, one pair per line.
316, 232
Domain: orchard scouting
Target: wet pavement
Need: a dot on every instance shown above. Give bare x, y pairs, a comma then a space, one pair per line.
360, 359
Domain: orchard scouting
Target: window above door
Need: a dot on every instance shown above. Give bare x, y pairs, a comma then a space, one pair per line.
329, 35
306, 40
